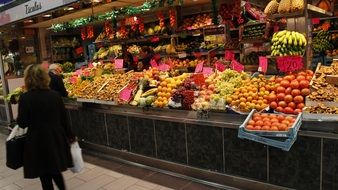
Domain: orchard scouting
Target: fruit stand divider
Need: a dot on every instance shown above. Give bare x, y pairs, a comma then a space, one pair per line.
174, 140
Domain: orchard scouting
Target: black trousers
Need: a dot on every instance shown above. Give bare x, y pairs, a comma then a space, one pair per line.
47, 181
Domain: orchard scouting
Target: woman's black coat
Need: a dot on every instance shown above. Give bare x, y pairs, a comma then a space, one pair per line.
47, 149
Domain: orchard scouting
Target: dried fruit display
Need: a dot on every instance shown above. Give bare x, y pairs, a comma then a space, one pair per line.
320, 109
323, 91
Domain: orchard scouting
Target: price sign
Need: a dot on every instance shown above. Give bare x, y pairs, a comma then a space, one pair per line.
199, 67
118, 63
153, 63
182, 55
315, 20
78, 72
163, 67
207, 71
229, 55
219, 66
125, 94
155, 39
135, 58
290, 63
197, 54
263, 64
237, 66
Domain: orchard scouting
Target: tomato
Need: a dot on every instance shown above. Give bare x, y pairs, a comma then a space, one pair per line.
273, 129
256, 114
288, 110
273, 105
275, 124
295, 92
251, 122
272, 97
264, 115
258, 128
272, 116
274, 120
309, 78
300, 78
288, 90
286, 122
298, 99
285, 83
289, 77
280, 96
305, 91
282, 104
250, 127
302, 73
268, 123
309, 72
294, 84
257, 118
259, 123
279, 109
288, 98
292, 105
280, 89
266, 119
289, 118
304, 84
300, 106
279, 79
265, 128
282, 127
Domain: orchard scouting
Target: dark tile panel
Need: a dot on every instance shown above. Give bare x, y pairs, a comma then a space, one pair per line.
167, 180
142, 136
243, 157
195, 186
205, 148
298, 168
170, 139
117, 127
133, 171
330, 164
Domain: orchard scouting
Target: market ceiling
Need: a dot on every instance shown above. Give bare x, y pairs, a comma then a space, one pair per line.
95, 10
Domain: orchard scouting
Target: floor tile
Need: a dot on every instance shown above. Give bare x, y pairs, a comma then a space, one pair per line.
136, 187
121, 183
147, 184
11, 187
95, 183
166, 180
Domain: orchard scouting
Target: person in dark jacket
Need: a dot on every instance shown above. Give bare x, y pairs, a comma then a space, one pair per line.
47, 144
56, 82
147, 55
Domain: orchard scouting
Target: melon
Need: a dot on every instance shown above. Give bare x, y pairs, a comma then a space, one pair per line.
271, 8
284, 6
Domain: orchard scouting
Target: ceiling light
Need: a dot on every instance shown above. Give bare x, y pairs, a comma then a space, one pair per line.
23, 37
47, 16
69, 9
29, 21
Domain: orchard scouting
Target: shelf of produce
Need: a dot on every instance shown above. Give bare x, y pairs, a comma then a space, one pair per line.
71, 59
315, 12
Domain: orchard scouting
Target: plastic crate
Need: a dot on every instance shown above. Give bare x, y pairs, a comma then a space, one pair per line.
292, 130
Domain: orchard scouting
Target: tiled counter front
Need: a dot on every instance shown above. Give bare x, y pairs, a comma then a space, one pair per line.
311, 163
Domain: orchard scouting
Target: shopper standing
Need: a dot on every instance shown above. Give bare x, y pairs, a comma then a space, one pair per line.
47, 145
56, 82
147, 55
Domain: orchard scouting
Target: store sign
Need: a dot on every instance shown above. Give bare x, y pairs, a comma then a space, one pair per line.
30, 8
290, 63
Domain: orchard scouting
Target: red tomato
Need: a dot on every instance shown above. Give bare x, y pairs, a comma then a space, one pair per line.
300, 106
288, 98
279, 79
282, 127
298, 99
250, 127
265, 128
280, 118
272, 97
273, 128
251, 122
279, 109
309, 72
259, 123
304, 84
295, 92
297, 111
268, 123
289, 77
302, 73
282, 104
280, 96
288, 110
309, 78
305, 91
294, 84
280, 89
288, 90
257, 118
300, 78
292, 105
285, 83
258, 128
274, 120
273, 105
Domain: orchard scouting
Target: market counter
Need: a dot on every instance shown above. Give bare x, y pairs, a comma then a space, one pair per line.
174, 140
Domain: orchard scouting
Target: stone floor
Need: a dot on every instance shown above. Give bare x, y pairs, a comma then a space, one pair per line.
99, 174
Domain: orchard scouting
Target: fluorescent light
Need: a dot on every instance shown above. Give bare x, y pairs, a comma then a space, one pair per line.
47, 15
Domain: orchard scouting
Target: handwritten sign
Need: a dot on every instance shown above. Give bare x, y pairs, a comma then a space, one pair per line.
153, 63
315, 20
125, 94
290, 63
229, 55
219, 66
118, 63
263, 64
237, 66
207, 71
163, 67
199, 67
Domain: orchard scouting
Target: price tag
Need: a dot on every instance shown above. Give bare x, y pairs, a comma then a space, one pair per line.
290, 63
118, 63
237, 66
78, 72
199, 67
153, 63
182, 55
155, 39
135, 58
315, 20
229, 55
163, 67
125, 94
219, 66
197, 54
207, 71
263, 64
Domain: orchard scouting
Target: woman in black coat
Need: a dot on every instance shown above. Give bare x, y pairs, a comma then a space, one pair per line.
47, 145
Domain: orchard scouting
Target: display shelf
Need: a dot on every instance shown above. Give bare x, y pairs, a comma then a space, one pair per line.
314, 11
70, 59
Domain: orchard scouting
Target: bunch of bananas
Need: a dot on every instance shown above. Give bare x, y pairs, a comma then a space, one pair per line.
286, 43
321, 42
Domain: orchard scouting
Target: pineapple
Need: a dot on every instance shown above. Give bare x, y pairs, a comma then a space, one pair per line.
284, 6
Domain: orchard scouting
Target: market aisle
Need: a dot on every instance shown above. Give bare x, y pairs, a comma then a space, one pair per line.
95, 177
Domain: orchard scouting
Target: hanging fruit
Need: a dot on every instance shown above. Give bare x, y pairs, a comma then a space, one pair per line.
108, 28
83, 33
90, 32
122, 34
160, 17
172, 16
141, 25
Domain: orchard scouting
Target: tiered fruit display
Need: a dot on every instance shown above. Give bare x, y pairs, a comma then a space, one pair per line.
290, 93
134, 49
270, 122
203, 101
254, 95
166, 88
197, 22
322, 42
252, 58
105, 52
286, 43
254, 31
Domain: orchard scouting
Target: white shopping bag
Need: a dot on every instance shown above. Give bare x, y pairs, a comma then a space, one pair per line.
16, 132
76, 152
